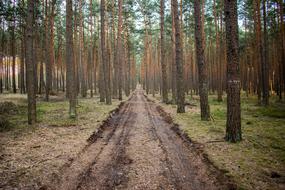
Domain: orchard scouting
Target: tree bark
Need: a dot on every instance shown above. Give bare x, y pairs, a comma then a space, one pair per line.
13, 50
200, 59
217, 56
119, 50
70, 67
47, 53
128, 62
106, 69
30, 64
265, 69
258, 48
282, 49
233, 128
82, 62
90, 52
114, 54
22, 58
179, 60
173, 65
162, 54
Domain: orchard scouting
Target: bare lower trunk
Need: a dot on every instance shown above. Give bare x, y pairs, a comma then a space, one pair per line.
179, 60
105, 64
162, 54
119, 51
70, 60
233, 129
265, 69
30, 64
14, 59
173, 65
22, 66
200, 58
47, 54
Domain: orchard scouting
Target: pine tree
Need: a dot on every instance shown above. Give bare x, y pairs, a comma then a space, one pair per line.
200, 59
178, 60
162, 54
105, 63
30, 63
119, 50
70, 66
233, 128
265, 69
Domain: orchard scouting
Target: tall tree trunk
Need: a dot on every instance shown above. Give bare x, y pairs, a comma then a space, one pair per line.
51, 46
258, 47
114, 53
82, 62
119, 50
283, 42
1, 59
42, 84
91, 55
95, 68
233, 129
22, 59
13, 55
70, 66
105, 63
30, 64
76, 52
1, 74
179, 60
200, 59
36, 50
217, 56
282, 49
162, 54
146, 58
265, 69
173, 65
7, 81
101, 76
47, 52
128, 62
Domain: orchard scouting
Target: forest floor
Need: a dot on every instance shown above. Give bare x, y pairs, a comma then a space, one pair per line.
30, 155
258, 162
137, 147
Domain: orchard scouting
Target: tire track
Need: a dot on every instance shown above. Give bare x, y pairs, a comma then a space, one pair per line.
137, 149
73, 174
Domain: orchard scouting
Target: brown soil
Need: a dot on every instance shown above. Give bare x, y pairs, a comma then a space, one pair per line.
139, 147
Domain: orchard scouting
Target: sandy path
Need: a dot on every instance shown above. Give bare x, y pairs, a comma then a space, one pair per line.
138, 150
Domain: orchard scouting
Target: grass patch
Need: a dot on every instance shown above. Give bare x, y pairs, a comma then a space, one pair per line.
253, 161
275, 111
30, 155
54, 113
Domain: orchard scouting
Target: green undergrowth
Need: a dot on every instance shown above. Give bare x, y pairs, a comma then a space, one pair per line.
55, 112
258, 161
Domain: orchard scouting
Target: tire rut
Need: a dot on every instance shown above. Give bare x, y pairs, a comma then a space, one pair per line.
74, 173
171, 175
136, 148
111, 174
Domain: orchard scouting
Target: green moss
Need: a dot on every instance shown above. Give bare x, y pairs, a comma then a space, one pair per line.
5, 124
272, 111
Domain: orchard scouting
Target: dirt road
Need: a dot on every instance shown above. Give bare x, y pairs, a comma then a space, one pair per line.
137, 149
